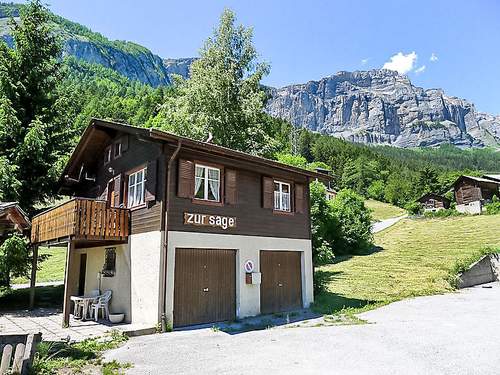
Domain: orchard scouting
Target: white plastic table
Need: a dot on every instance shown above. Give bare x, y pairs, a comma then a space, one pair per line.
87, 300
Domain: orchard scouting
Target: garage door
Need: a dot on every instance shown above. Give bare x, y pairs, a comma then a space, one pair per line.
281, 287
204, 289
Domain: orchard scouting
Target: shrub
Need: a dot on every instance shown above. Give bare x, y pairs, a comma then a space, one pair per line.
414, 208
15, 259
442, 213
493, 208
322, 225
353, 223
376, 190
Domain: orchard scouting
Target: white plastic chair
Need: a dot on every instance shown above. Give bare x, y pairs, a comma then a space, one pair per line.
80, 305
102, 303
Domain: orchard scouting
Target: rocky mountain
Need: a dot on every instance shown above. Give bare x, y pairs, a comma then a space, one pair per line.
376, 107
383, 107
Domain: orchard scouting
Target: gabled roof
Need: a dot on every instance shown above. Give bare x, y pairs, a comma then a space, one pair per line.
495, 177
173, 139
13, 216
480, 180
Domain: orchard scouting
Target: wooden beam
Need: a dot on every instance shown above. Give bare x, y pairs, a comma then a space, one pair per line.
34, 264
67, 280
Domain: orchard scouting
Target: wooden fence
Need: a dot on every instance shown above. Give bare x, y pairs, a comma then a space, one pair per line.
84, 219
17, 353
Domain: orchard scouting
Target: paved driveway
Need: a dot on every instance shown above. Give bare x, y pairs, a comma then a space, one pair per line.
457, 333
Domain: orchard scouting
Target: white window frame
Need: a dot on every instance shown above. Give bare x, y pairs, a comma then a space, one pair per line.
108, 154
132, 188
279, 196
117, 144
206, 184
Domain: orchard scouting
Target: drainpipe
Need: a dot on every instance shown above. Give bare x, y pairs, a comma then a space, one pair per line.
165, 207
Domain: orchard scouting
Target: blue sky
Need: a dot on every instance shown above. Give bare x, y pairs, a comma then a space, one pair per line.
307, 40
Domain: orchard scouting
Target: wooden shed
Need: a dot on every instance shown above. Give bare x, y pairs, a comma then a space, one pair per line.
434, 202
471, 193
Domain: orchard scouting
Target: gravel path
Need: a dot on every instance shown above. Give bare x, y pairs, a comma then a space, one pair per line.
456, 333
384, 224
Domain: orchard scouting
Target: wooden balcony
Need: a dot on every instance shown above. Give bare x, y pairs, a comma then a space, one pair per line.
81, 219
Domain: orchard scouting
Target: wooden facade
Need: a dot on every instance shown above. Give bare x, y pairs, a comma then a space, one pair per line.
432, 201
469, 189
12, 219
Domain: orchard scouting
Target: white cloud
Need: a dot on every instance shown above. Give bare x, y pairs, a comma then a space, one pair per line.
365, 61
401, 63
433, 57
420, 70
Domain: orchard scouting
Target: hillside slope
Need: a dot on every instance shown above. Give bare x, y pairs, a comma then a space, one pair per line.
414, 258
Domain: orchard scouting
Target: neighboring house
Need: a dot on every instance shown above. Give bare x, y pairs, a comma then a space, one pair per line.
434, 202
471, 193
181, 229
327, 179
494, 177
12, 220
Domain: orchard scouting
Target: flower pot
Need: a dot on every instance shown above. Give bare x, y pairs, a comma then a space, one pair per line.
116, 318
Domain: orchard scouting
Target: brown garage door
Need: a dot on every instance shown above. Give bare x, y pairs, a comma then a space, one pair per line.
281, 288
205, 286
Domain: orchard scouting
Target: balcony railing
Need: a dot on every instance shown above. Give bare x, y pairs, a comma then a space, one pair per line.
81, 219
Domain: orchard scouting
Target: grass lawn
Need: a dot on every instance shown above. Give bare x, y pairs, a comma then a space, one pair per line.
52, 269
413, 258
381, 210
18, 299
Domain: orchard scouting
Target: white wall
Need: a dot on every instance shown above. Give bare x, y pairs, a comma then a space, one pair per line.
247, 248
119, 284
472, 208
145, 250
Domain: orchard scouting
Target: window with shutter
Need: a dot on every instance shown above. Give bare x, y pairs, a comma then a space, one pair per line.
151, 181
117, 195
300, 199
231, 188
136, 188
185, 183
268, 192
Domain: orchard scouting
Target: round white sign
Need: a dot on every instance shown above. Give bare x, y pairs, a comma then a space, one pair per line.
249, 266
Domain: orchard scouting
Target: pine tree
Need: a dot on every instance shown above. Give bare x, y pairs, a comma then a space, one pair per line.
33, 132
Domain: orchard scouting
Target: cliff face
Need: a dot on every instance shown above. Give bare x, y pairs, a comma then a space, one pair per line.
383, 107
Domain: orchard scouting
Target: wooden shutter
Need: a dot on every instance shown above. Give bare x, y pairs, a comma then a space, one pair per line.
231, 186
268, 192
117, 187
185, 181
299, 199
124, 141
151, 181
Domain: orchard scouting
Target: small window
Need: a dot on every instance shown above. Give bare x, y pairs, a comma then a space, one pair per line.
117, 152
109, 267
136, 188
207, 183
107, 155
281, 196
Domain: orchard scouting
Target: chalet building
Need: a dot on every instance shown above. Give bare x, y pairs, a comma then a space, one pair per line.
471, 193
434, 202
181, 231
12, 220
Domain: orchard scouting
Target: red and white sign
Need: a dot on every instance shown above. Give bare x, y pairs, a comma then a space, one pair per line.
249, 266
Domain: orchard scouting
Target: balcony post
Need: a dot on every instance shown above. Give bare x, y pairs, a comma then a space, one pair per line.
34, 264
68, 282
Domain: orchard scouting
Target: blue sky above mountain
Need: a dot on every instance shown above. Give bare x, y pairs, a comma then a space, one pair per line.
448, 44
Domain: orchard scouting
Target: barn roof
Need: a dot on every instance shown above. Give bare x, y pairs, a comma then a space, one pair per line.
12, 217
495, 177
426, 196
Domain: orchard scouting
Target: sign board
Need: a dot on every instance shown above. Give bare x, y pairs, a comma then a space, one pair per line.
206, 220
249, 266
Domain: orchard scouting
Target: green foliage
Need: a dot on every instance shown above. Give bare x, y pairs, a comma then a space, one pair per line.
14, 259
353, 221
223, 95
34, 131
401, 188
493, 208
443, 213
323, 225
52, 357
414, 208
376, 190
